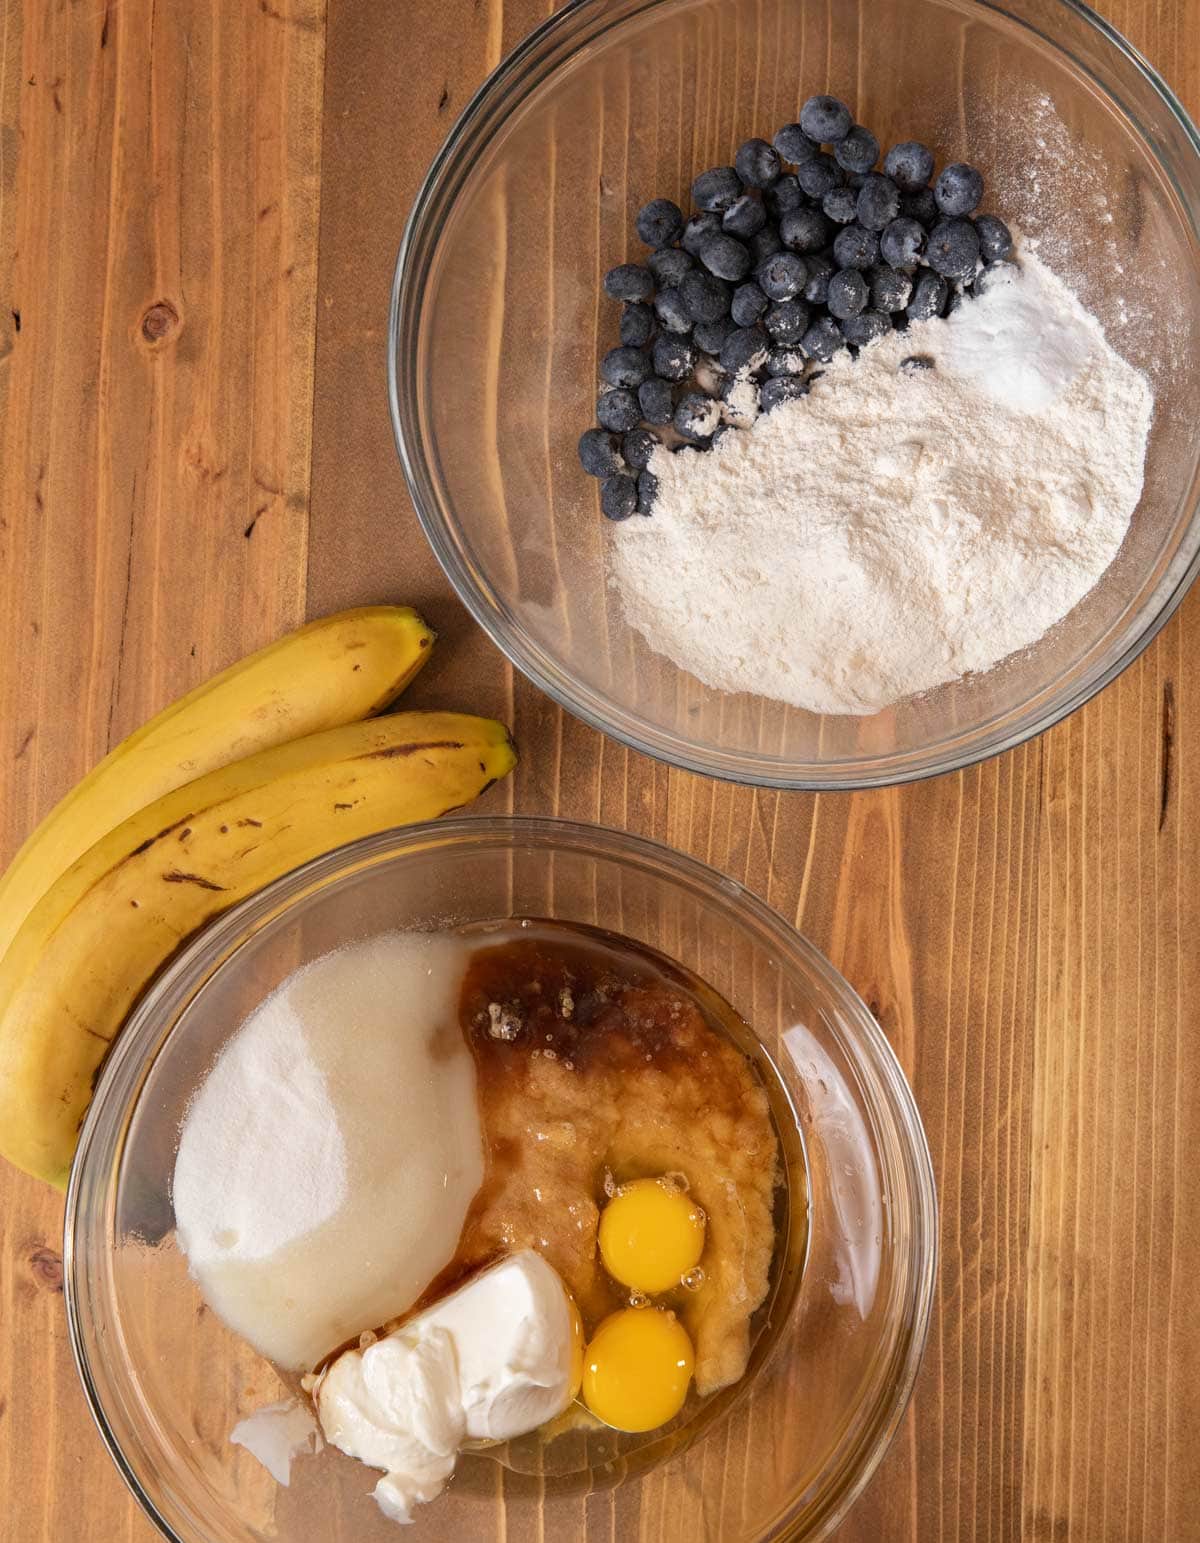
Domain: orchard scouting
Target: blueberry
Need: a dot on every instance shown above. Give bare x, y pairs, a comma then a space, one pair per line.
804, 230
765, 244
878, 202
749, 302
822, 340
915, 364
866, 327
891, 290
858, 152
710, 335
848, 293
757, 164
902, 243
825, 119
783, 276
656, 397
909, 165
625, 366
629, 281
745, 218
785, 361
816, 286
599, 454
783, 196
854, 247
817, 176
673, 358
920, 206
725, 256
660, 222
993, 277
928, 297
669, 264
672, 314
745, 349
958, 189
697, 230
840, 205
783, 388
647, 492
705, 297
715, 190
638, 446
637, 325
786, 322
618, 411
953, 249
995, 238
794, 144
696, 417
618, 497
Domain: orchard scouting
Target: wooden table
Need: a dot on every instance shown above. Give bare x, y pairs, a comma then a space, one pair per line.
195, 454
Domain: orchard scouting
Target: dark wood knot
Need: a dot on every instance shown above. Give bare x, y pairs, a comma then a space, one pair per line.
159, 321
47, 1268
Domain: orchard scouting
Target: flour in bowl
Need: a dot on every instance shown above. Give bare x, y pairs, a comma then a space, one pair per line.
928, 509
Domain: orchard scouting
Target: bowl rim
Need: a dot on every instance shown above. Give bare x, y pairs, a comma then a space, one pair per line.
206, 952
598, 17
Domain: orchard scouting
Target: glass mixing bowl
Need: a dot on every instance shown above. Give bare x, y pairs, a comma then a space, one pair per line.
498, 321
793, 1443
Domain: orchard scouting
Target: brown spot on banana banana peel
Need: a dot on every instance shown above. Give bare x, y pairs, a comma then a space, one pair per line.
425, 744
150, 840
174, 876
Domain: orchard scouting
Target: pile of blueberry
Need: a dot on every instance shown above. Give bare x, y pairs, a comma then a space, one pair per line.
735, 308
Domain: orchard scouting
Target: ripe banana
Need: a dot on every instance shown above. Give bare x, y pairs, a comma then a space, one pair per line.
101, 932
335, 670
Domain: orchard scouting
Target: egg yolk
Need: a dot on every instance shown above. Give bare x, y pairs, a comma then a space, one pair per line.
651, 1234
637, 1368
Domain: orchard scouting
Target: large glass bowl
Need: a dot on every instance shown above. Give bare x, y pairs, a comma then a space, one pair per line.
795, 1441
498, 321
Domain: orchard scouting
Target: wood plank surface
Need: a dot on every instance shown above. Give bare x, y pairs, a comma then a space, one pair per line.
199, 211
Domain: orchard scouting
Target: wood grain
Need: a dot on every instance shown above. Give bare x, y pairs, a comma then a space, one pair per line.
159, 191
179, 481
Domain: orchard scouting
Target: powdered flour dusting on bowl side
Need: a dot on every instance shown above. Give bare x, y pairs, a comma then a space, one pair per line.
898, 527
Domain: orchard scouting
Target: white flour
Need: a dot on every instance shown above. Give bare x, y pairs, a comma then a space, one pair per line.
895, 530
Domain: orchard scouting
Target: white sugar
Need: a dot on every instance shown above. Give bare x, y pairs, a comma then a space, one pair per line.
326, 1164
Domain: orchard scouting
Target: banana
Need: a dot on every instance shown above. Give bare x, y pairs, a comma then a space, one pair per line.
106, 926
335, 670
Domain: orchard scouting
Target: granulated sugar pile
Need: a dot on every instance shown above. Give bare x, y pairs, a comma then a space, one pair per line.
928, 509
